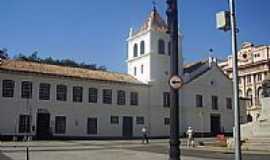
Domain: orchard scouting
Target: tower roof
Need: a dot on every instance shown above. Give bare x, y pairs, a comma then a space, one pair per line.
154, 22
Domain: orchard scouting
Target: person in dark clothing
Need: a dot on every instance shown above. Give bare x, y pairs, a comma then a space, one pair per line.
145, 136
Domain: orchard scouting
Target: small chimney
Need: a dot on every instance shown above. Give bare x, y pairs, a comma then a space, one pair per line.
211, 58
211, 61
215, 59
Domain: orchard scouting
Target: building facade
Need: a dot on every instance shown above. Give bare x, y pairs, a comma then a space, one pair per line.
253, 64
48, 101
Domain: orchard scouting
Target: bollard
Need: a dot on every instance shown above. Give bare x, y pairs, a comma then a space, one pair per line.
27, 153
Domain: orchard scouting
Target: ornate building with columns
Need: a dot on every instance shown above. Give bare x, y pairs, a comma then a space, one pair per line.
253, 64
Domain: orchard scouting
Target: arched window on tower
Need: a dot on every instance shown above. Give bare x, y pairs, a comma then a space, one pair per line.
135, 50
142, 68
161, 46
135, 71
169, 48
142, 47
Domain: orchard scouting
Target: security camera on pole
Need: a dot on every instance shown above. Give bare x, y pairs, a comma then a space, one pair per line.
226, 20
175, 80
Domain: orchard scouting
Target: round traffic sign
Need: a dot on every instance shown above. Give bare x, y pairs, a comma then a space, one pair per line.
176, 82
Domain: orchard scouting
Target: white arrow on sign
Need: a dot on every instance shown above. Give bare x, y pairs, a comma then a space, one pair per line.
176, 82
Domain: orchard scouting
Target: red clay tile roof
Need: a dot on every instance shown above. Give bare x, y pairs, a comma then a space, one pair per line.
155, 22
55, 70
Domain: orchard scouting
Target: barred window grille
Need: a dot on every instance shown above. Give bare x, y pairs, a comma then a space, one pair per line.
61, 92
26, 89
8, 88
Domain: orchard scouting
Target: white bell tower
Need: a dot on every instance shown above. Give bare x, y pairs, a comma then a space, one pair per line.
149, 51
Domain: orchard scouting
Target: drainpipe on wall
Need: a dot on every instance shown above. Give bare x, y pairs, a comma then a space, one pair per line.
149, 110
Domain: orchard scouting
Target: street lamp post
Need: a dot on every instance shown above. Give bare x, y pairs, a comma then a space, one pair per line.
227, 21
235, 84
172, 20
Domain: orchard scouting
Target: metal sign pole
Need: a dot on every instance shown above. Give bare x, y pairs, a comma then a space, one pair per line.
172, 14
237, 134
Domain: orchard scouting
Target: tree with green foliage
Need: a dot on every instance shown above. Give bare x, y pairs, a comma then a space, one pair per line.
4, 53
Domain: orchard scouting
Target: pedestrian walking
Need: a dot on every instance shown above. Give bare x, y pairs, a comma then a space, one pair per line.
145, 136
190, 140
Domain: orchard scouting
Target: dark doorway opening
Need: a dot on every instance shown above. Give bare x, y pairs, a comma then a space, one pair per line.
249, 118
92, 126
215, 124
43, 126
127, 127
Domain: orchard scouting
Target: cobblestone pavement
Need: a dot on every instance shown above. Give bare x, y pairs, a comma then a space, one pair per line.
110, 150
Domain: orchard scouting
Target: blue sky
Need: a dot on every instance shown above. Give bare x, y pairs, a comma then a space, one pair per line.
95, 31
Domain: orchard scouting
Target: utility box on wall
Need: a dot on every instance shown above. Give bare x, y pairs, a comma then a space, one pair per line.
223, 20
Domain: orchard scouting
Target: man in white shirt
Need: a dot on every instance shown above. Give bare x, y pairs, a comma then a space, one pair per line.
145, 137
190, 141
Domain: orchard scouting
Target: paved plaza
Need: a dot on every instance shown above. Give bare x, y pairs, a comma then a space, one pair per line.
110, 150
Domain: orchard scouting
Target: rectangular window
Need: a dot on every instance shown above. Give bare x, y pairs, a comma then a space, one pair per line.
229, 103
240, 80
107, 96
121, 97
8, 88
60, 124
134, 98
214, 102
199, 101
169, 48
44, 91
249, 79
93, 95
26, 89
167, 121
77, 94
24, 124
61, 92
114, 120
92, 126
166, 99
142, 67
140, 120
259, 77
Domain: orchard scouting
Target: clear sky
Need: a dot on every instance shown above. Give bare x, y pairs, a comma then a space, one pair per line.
95, 31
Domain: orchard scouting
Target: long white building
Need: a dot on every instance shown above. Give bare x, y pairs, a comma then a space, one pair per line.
54, 101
